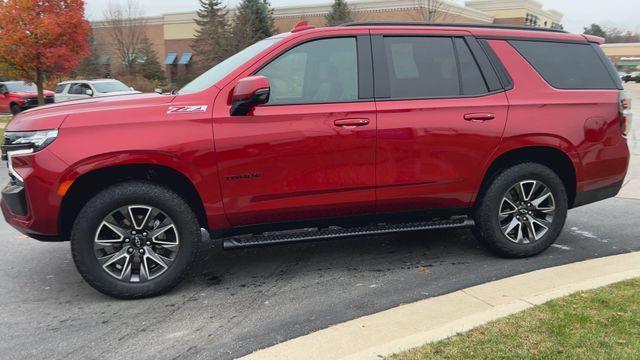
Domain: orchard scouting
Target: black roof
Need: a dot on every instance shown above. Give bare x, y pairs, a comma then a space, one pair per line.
483, 26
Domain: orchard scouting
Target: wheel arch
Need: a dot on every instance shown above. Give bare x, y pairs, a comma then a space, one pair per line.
563, 163
87, 185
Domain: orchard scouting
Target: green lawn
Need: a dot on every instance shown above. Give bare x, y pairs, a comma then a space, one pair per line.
4, 120
599, 324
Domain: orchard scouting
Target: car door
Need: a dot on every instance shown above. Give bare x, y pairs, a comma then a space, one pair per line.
4, 100
441, 113
310, 151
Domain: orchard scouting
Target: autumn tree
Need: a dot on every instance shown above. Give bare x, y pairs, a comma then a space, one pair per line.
42, 39
211, 43
126, 29
340, 13
253, 22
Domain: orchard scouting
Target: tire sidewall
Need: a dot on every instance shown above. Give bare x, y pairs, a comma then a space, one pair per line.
487, 213
133, 193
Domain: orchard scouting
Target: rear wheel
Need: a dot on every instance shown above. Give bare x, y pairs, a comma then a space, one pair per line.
15, 109
134, 240
522, 212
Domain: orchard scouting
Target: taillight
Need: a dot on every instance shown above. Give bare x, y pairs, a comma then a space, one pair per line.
625, 113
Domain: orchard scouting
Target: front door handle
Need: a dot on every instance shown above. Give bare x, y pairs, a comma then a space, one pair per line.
351, 122
479, 117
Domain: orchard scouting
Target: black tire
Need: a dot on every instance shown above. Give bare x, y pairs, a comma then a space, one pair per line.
488, 230
123, 194
15, 109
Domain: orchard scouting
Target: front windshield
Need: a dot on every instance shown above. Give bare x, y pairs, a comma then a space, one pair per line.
110, 86
16, 87
218, 72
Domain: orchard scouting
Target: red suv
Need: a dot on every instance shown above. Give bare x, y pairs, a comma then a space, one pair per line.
359, 129
16, 96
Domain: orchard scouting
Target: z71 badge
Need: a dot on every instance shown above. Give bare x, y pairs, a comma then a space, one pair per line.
187, 109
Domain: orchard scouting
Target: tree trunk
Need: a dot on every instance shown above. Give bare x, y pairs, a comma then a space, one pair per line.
40, 86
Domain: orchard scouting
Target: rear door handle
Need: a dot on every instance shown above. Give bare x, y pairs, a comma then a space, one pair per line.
351, 122
479, 117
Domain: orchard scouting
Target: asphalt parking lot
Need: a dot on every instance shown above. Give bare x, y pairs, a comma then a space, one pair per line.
237, 302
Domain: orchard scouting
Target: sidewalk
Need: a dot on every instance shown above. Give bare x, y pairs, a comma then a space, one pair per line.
412, 325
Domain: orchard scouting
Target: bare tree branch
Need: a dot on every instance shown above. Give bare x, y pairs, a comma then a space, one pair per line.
432, 11
126, 28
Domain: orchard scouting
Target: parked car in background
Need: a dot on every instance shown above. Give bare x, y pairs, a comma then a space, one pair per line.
319, 133
17, 96
84, 89
634, 76
622, 74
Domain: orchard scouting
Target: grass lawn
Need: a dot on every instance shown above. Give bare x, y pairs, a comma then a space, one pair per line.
599, 324
3, 120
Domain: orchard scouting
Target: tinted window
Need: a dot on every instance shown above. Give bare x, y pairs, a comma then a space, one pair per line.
421, 67
60, 88
566, 66
321, 71
471, 78
76, 89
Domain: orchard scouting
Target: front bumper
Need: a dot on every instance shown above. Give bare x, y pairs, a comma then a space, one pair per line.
33, 205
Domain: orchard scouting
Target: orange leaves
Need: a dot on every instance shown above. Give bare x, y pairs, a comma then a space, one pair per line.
47, 36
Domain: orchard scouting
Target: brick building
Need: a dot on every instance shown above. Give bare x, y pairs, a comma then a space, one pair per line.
172, 34
626, 57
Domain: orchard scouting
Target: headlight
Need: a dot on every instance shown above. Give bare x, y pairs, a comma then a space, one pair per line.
34, 140
22, 143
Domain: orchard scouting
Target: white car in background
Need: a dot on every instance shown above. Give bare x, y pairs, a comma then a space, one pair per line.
85, 89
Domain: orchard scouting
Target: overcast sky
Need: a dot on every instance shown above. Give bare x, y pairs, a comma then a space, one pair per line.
578, 13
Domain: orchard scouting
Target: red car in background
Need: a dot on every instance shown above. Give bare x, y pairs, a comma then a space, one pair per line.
365, 128
17, 96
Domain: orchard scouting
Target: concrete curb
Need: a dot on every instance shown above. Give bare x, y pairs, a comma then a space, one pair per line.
412, 325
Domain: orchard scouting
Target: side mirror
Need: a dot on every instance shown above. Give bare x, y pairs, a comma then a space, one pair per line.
132, 89
158, 91
249, 93
88, 92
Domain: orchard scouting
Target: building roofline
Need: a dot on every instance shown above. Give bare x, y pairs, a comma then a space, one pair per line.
483, 26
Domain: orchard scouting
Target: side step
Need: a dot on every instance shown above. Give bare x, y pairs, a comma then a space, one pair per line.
311, 234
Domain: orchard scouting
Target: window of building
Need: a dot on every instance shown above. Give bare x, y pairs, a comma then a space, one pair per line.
321, 71
567, 66
531, 20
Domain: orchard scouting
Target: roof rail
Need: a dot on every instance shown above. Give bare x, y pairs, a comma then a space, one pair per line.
484, 26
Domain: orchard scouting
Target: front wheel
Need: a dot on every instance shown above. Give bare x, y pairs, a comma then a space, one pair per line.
15, 109
134, 240
522, 211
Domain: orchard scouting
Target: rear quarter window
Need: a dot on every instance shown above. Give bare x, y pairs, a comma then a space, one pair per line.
566, 65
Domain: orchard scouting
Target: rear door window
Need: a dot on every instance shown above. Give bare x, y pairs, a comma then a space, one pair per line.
421, 67
471, 78
565, 65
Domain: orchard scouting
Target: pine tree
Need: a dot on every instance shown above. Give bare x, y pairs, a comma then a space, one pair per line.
90, 66
150, 67
253, 22
340, 14
211, 43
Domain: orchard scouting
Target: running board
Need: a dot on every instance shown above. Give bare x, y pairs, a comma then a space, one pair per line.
339, 232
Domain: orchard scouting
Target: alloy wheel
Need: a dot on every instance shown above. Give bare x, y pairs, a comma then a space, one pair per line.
136, 243
526, 211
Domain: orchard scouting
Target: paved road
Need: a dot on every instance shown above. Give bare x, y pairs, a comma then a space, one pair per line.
240, 301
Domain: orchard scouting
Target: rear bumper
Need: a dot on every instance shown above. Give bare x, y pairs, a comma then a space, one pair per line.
595, 195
